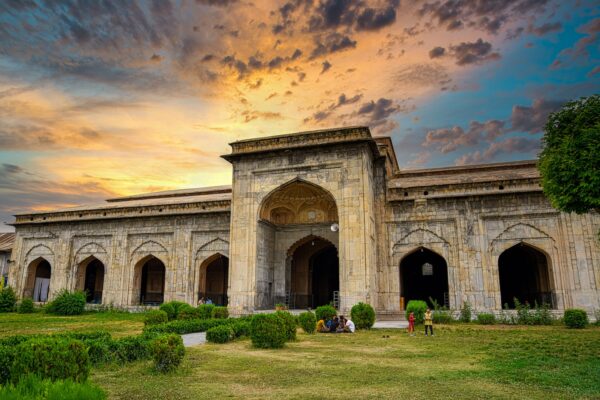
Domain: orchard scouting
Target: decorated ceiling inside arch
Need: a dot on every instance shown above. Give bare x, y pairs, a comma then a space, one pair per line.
299, 203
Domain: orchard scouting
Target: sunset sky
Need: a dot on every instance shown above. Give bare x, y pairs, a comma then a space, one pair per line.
107, 98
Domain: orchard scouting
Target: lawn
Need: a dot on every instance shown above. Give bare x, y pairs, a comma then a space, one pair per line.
461, 361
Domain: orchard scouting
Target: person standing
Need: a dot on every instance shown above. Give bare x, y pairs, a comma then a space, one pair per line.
411, 324
428, 321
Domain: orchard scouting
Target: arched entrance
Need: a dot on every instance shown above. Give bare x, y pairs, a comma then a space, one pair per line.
524, 275
214, 278
37, 285
150, 275
91, 279
315, 276
424, 276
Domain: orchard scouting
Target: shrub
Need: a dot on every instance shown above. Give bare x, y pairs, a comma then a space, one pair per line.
241, 328
7, 356
308, 322
575, 318
220, 313
171, 308
100, 351
418, 307
188, 312
155, 317
167, 352
486, 319
442, 317
67, 303
8, 299
26, 306
220, 334
362, 315
542, 315
34, 388
186, 326
465, 313
51, 358
130, 348
325, 313
289, 324
267, 331
205, 311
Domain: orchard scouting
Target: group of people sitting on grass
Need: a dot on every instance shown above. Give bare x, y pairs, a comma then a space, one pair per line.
336, 325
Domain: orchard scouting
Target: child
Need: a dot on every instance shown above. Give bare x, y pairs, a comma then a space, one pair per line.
428, 322
411, 324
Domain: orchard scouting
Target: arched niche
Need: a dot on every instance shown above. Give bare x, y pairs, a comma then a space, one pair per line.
37, 282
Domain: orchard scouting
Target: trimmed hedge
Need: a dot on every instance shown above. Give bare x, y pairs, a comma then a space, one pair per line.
363, 316
186, 326
26, 306
8, 299
220, 334
289, 324
67, 303
486, 319
167, 352
155, 317
575, 318
34, 388
172, 308
325, 312
205, 311
267, 331
220, 312
188, 312
241, 328
51, 358
418, 307
308, 322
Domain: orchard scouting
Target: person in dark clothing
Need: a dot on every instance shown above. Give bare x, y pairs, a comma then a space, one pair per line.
334, 325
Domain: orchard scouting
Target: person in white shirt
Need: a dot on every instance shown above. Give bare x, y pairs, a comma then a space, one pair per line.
349, 327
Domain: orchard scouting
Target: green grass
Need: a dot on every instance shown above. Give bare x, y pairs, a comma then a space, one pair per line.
118, 324
460, 362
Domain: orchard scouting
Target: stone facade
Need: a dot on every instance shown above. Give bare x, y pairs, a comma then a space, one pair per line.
478, 225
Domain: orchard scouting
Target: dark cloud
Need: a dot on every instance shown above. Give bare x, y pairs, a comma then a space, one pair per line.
508, 146
532, 119
446, 140
371, 19
437, 52
218, 3
378, 110
332, 14
326, 66
331, 43
545, 28
343, 100
11, 169
473, 52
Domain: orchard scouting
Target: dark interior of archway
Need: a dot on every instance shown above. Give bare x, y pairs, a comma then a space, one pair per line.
325, 275
523, 274
43, 270
94, 281
153, 282
419, 283
217, 275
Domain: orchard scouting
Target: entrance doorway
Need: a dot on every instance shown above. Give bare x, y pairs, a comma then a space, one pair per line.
94, 281
315, 276
524, 275
152, 290
424, 276
41, 288
214, 278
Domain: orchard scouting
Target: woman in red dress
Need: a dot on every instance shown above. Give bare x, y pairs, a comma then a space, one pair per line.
411, 324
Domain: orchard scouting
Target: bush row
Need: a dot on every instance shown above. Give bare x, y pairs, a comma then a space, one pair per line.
32, 387
179, 310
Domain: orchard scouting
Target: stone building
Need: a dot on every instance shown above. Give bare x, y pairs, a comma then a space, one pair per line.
319, 217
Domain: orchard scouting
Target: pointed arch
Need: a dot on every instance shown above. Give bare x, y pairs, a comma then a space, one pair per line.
424, 276
89, 277
39, 250
214, 279
421, 237
298, 202
520, 231
150, 247
305, 240
215, 245
37, 280
149, 276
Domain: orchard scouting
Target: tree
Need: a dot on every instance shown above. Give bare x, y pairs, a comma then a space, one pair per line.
570, 157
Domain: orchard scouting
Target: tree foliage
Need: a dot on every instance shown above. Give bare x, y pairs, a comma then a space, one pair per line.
570, 157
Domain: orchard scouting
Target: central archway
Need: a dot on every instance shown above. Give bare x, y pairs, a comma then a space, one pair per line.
150, 280
424, 276
90, 278
315, 276
214, 279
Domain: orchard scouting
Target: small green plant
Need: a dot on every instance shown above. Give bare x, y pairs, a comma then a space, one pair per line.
267, 331
308, 322
172, 308
241, 328
32, 387
418, 307
51, 358
205, 311
8, 299
289, 324
597, 316
155, 317
325, 312
486, 319
26, 306
575, 318
188, 312
167, 352
465, 312
220, 334
220, 312
67, 303
362, 315
441, 314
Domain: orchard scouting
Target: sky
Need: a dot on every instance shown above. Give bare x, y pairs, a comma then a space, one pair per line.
107, 98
